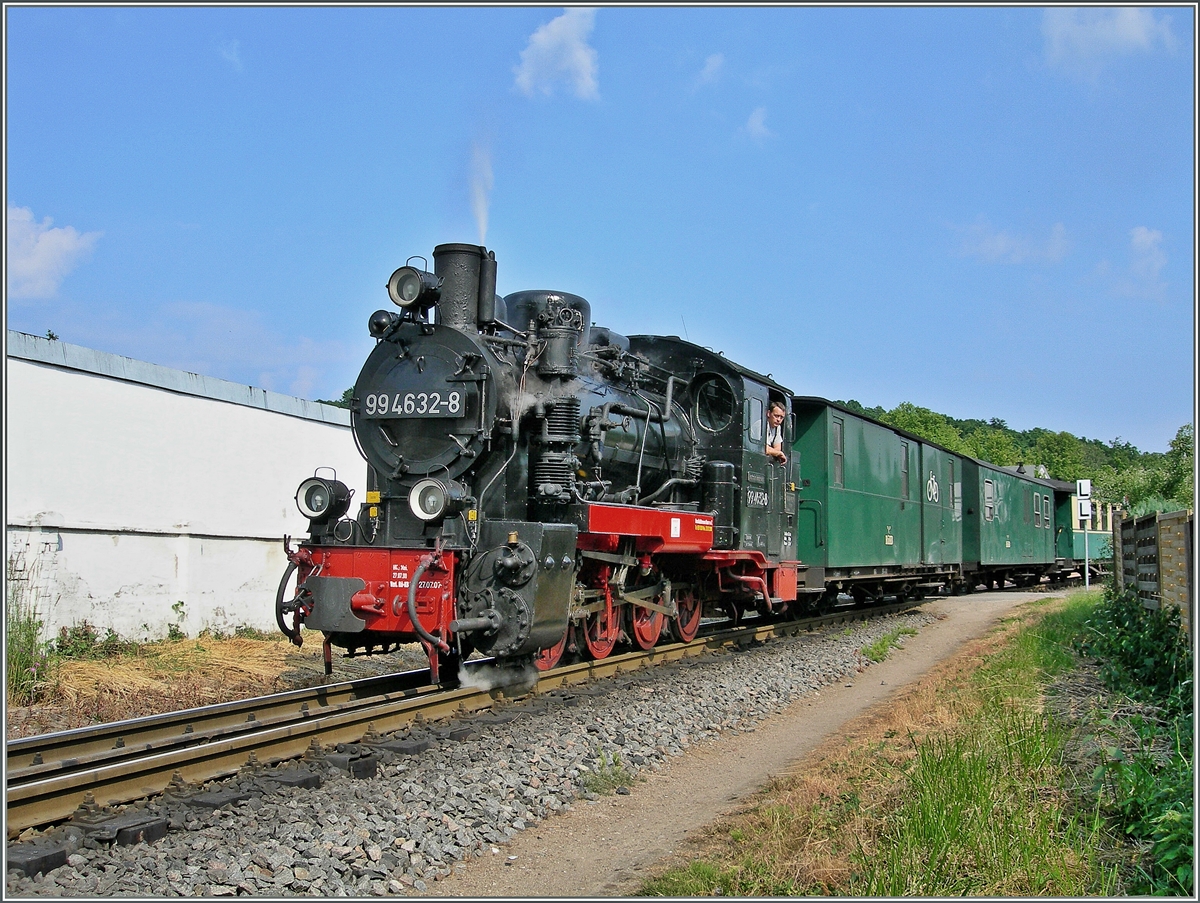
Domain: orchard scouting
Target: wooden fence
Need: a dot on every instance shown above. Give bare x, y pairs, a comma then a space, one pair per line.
1155, 557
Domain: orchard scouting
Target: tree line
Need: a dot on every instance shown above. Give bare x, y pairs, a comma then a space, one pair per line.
1138, 481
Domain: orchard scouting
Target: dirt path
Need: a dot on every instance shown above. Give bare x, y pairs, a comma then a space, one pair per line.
603, 849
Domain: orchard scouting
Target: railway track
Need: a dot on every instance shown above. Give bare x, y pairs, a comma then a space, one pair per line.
49, 776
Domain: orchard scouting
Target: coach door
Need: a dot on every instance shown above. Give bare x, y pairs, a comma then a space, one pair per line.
936, 491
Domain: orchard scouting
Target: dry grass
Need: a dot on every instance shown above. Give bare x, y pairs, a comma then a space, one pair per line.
159, 677
170, 675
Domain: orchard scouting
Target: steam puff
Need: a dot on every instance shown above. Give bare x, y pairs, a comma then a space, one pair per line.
518, 677
481, 187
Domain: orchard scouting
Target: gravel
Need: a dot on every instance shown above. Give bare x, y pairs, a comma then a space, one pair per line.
424, 815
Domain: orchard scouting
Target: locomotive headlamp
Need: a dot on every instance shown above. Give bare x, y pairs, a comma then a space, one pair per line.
381, 321
413, 289
322, 500
431, 499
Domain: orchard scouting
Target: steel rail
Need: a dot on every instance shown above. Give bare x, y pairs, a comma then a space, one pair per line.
44, 753
283, 726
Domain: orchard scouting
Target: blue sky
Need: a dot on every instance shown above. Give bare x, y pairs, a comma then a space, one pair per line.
986, 211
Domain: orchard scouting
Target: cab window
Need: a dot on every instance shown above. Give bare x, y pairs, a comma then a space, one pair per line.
754, 411
714, 403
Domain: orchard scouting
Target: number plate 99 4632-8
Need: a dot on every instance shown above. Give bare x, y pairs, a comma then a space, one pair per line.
756, 498
413, 404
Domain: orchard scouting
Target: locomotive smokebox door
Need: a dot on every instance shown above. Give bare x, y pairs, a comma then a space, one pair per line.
518, 587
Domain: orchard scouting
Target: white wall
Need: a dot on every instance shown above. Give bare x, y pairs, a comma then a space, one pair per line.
138, 496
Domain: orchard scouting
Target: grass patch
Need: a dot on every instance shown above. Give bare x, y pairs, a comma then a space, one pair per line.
29, 666
878, 650
958, 787
985, 807
608, 775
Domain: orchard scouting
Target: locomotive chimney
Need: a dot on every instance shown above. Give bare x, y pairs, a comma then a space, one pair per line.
458, 267
487, 290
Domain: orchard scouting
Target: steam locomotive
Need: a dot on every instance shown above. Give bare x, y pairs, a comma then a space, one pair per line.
535, 482
538, 484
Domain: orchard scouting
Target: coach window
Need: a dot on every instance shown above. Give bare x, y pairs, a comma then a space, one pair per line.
714, 403
903, 470
1046, 508
951, 494
1037, 510
989, 500
837, 451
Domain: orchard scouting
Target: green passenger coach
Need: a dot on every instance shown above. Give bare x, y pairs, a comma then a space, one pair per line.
879, 510
1010, 529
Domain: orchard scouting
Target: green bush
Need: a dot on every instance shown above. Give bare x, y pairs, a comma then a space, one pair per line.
83, 641
1143, 652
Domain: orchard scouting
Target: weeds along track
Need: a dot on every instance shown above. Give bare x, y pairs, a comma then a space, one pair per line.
49, 775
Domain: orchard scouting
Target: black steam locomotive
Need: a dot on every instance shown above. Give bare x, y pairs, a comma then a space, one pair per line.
536, 483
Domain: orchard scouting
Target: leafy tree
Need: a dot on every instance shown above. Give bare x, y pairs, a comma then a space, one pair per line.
927, 424
1062, 453
344, 402
1180, 467
1150, 482
1128, 486
995, 446
876, 413
1122, 453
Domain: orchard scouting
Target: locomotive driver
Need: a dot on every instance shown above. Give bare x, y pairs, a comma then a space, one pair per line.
775, 415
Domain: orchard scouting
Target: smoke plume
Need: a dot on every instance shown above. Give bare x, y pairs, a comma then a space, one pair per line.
481, 187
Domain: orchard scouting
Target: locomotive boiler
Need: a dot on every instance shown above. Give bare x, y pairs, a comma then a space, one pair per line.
526, 473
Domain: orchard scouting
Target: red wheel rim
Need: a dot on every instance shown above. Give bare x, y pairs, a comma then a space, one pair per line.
646, 626
601, 631
552, 655
686, 624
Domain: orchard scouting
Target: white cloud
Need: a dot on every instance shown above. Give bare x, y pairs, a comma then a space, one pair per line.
559, 52
1058, 245
231, 52
756, 125
40, 257
992, 245
1082, 40
712, 69
1147, 260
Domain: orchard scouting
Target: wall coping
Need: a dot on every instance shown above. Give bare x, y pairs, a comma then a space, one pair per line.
55, 353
